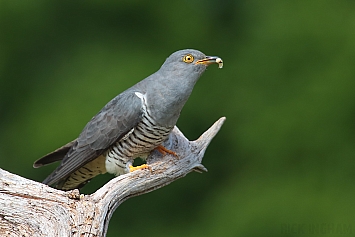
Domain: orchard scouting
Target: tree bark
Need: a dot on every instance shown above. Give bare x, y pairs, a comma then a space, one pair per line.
29, 208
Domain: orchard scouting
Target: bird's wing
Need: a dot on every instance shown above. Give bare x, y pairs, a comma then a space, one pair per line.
116, 119
54, 156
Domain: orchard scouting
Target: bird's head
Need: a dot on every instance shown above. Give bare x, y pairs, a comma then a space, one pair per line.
189, 63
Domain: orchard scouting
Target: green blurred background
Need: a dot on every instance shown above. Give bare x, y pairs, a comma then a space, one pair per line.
283, 163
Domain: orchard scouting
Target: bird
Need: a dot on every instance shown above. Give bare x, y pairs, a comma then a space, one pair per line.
131, 125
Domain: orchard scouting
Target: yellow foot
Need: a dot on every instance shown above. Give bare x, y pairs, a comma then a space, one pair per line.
140, 167
163, 151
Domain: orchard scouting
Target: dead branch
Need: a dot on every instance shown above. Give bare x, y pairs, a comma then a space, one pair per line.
29, 208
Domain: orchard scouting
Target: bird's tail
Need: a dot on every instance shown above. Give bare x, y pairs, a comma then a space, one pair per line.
54, 156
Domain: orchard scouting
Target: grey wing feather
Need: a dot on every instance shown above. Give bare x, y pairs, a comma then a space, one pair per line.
117, 118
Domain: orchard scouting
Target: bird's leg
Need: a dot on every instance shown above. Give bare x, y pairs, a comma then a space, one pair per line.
163, 151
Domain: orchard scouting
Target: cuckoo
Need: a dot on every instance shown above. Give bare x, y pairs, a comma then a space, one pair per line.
131, 125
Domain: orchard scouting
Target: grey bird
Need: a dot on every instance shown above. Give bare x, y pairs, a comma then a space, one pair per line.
131, 125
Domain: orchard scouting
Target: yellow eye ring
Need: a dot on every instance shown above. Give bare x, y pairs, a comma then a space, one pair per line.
188, 58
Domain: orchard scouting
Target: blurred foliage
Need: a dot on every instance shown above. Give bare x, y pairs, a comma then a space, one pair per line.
283, 163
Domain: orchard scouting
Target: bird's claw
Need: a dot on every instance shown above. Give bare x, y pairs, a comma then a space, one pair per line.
164, 151
140, 167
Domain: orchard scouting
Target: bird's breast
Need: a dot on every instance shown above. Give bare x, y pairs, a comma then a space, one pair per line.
138, 142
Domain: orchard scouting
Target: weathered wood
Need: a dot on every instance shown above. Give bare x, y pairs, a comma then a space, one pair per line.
29, 208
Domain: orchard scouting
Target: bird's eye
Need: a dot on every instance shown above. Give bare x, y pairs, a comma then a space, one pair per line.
188, 58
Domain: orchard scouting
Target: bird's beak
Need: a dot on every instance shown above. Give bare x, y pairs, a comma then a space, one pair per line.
211, 60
